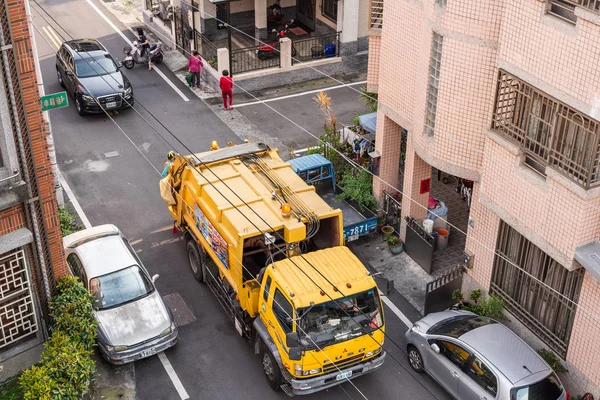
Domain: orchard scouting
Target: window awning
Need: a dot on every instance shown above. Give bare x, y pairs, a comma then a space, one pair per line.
368, 122
588, 255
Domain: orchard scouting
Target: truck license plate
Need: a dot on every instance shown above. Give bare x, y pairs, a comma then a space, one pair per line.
111, 104
352, 237
149, 352
344, 375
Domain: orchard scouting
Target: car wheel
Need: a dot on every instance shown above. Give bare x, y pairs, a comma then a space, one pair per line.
60, 79
196, 259
79, 106
128, 64
271, 369
414, 359
293, 51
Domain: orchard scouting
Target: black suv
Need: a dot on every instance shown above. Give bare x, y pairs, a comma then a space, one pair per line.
88, 72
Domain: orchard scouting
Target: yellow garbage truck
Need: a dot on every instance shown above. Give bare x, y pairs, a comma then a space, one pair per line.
272, 252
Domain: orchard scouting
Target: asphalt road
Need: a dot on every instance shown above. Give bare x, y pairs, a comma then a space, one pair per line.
210, 360
303, 110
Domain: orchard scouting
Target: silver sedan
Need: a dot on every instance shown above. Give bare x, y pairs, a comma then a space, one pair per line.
477, 358
133, 320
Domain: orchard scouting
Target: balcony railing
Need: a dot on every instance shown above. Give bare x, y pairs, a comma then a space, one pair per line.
376, 16
550, 133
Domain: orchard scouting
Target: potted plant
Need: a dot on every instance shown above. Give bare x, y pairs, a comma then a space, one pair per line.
380, 222
396, 245
457, 295
387, 231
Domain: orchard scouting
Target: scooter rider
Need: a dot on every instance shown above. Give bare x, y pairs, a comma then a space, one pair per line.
143, 41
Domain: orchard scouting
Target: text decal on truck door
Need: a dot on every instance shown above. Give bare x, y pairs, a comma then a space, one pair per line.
214, 238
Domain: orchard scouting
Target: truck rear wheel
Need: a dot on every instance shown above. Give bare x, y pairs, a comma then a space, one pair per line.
197, 259
271, 369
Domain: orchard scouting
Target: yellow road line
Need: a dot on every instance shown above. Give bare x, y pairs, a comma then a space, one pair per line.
52, 36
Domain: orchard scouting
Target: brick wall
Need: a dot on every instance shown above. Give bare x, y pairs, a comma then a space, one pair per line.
34, 137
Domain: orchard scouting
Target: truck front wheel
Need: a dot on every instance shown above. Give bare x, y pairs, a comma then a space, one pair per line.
271, 369
196, 260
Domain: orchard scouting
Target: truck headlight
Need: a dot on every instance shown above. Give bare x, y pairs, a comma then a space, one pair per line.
116, 348
372, 353
311, 372
169, 330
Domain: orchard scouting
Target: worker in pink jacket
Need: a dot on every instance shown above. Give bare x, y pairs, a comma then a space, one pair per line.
196, 66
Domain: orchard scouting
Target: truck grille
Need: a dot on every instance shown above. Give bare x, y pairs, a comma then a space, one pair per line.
347, 363
111, 98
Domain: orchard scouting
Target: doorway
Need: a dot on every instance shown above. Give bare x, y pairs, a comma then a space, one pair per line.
306, 13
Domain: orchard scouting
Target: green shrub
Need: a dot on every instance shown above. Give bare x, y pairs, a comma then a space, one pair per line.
492, 307
66, 365
68, 223
37, 384
475, 295
359, 187
72, 312
457, 295
69, 364
552, 360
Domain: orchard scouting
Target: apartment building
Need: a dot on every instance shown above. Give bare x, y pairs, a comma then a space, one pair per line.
504, 93
31, 252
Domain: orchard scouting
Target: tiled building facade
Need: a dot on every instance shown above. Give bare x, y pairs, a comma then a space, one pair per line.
505, 93
31, 253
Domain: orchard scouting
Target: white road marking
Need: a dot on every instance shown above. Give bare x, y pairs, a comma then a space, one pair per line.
174, 378
155, 68
71, 196
289, 96
397, 311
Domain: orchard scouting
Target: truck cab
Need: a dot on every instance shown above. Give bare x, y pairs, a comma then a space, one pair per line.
318, 171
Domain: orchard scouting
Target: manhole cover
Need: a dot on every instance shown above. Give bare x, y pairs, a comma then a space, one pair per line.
182, 314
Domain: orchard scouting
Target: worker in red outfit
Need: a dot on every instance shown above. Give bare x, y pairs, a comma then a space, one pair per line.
226, 84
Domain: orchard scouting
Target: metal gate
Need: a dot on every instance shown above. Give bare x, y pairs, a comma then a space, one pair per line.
438, 293
182, 29
392, 208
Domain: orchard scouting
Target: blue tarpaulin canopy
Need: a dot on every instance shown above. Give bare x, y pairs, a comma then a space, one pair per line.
368, 122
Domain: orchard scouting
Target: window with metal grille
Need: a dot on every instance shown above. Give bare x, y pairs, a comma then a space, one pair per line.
550, 133
434, 83
564, 10
18, 318
527, 279
329, 9
376, 15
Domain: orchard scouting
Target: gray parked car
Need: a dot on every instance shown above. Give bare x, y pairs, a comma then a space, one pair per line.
133, 320
477, 358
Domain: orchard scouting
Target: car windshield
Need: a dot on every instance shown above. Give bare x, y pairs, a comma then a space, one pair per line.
458, 326
95, 66
549, 388
120, 287
340, 320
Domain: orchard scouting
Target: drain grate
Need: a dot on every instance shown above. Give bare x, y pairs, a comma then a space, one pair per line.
181, 312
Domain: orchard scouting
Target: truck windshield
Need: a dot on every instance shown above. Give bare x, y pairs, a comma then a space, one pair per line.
340, 320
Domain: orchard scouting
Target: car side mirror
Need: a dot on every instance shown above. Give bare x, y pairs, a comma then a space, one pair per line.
69, 73
119, 65
155, 278
435, 348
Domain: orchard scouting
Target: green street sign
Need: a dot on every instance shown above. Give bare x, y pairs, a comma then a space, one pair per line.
54, 101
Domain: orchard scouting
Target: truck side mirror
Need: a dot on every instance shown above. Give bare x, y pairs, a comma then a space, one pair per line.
292, 340
295, 353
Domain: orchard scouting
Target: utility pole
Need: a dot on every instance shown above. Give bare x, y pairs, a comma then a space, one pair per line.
229, 37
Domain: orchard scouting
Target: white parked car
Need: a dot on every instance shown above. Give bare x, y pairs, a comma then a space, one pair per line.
133, 320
